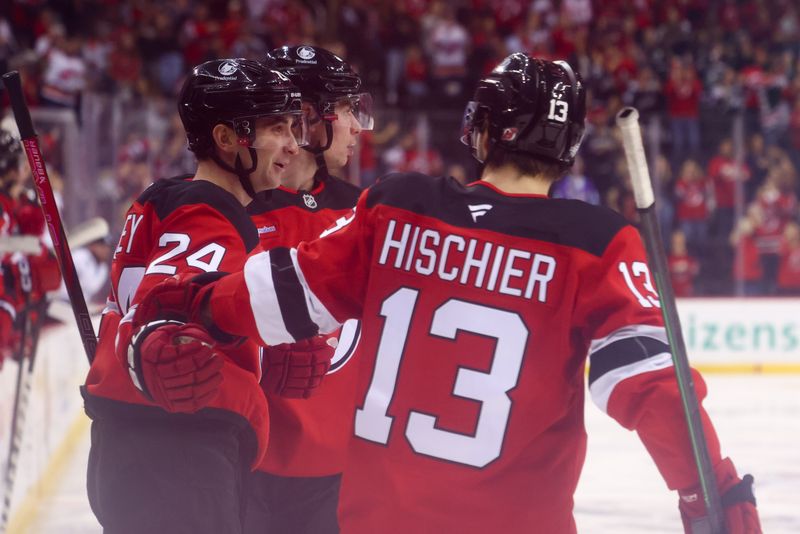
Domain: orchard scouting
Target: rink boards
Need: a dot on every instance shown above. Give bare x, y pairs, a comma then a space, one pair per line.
742, 335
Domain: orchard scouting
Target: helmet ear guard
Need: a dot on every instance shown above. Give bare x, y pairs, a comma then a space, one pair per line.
472, 125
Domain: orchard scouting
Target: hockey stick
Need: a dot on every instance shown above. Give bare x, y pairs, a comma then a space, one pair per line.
26, 244
21, 401
47, 200
628, 122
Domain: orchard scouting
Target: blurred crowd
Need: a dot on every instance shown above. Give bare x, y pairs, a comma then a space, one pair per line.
717, 83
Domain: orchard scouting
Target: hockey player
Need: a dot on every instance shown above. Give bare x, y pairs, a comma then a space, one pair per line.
296, 488
24, 277
179, 419
480, 306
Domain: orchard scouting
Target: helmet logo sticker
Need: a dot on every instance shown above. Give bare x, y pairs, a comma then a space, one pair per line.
305, 52
509, 134
310, 201
227, 68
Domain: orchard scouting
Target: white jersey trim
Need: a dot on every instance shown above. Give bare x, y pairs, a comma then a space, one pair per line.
264, 300
602, 388
9, 309
634, 330
316, 309
111, 306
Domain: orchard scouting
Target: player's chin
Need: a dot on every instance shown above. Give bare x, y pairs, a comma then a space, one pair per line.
343, 157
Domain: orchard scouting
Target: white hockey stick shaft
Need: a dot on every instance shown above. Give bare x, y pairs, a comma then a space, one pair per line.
628, 122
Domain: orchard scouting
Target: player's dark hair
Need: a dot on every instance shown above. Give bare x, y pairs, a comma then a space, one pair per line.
525, 163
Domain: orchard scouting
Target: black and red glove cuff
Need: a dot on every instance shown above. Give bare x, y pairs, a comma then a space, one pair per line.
741, 492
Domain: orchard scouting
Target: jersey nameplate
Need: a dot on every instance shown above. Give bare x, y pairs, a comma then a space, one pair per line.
470, 261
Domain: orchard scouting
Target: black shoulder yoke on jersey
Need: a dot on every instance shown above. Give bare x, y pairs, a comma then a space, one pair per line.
167, 195
565, 222
332, 193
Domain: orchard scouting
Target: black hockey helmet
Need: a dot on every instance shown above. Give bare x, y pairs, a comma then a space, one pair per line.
532, 106
10, 150
236, 92
324, 79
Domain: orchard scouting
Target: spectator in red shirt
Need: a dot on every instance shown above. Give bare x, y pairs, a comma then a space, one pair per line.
416, 75
692, 198
125, 65
778, 205
747, 270
726, 175
682, 92
683, 268
789, 270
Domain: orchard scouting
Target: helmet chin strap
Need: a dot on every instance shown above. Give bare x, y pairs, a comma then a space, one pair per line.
239, 170
319, 150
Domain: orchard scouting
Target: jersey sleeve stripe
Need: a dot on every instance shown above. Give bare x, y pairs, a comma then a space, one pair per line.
623, 352
5, 305
634, 330
264, 300
319, 314
291, 295
602, 387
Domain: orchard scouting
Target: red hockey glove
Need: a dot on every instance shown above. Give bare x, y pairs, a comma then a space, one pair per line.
175, 365
741, 516
30, 219
295, 370
181, 298
30, 277
45, 273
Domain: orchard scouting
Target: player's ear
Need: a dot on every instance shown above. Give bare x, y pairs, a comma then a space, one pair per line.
310, 111
225, 138
482, 146
316, 128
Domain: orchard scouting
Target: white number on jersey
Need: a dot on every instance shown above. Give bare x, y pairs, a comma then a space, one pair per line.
640, 270
197, 259
490, 389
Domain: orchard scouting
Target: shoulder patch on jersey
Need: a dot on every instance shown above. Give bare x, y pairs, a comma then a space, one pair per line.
564, 222
167, 195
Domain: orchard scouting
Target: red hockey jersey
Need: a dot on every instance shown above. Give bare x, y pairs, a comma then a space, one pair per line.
177, 226
308, 437
479, 310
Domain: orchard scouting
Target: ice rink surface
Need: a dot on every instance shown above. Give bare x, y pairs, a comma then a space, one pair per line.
757, 418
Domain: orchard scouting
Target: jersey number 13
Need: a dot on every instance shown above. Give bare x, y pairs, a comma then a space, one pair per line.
491, 389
